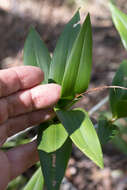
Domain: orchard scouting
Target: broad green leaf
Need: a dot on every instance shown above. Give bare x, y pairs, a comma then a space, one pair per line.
63, 49
106, 130
36, 182
82, 133
118, 97
78, 68
120, 22
54, 165
36, 53
52, 138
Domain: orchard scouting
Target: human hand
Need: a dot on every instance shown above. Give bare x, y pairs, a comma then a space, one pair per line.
23, 103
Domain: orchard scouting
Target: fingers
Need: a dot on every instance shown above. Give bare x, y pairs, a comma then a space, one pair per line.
5, 171
15, 161
21, 77
17, 124
39, 97
21, 158
24, 121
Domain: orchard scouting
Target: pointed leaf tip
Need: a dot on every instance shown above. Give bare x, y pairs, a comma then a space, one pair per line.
78, 69
82, 133
85, 67
63, 49
36, 53
120, 21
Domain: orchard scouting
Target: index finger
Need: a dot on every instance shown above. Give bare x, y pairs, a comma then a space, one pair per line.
18, 78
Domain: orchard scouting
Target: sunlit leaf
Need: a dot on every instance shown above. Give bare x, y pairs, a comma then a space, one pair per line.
54, 165
52, 138
63, 49
39, 183
120, 22
82, 133
118, 97
106, 130
84, 70
36, 182
36, 53
78, 68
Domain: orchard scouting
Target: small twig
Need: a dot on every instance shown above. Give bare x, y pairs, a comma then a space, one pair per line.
103, 88
99, 89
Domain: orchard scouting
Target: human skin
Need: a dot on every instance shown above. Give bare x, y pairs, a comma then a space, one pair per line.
23, 103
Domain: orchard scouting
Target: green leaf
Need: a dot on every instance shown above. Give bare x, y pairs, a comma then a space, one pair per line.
82, 133
52, 138
78, 68
84, 70
36, 182
118, 97
16, 183
63, 49
66, 104
54, 165
39, 183
106, 130
120, 22
36, 53
120, 144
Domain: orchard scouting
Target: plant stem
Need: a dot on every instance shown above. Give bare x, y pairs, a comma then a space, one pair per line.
102, 88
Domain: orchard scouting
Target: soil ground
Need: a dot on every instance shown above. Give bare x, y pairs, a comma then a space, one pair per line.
49, 18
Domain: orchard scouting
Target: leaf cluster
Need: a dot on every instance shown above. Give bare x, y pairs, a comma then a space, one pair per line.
70, 67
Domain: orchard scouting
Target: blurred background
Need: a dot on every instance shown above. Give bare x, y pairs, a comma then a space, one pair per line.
49, 18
